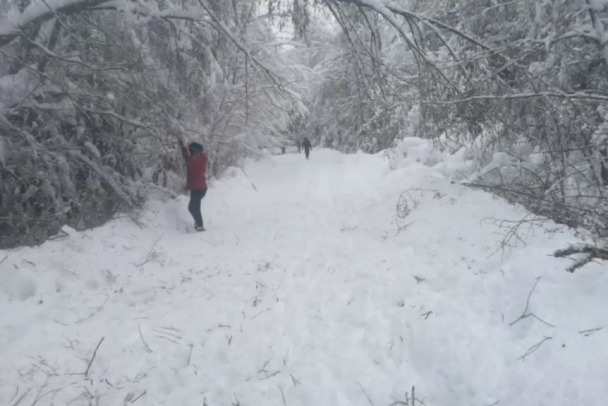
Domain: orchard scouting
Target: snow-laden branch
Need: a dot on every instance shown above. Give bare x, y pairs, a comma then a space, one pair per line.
588, 252
39, 13
221, 27
600, 28
438, 24
381, 8
386, 12
560, 95
174, 13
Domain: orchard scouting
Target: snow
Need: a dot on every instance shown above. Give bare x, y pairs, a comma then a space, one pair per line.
598, 5
312, 290
36, 10
14, 88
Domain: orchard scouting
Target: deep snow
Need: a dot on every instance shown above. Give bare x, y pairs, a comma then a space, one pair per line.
311, 290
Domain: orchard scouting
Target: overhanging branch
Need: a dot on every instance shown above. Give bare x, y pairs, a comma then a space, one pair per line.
560, 95
33, 16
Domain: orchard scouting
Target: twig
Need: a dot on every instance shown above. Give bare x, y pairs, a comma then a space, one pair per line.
190, 353
260, 312
151, 255
212, 276
41, 395
83, 319
22, 396
169, 331
15, 394
250, 181
366, 395
269, 375
514, 232
590, 331
167, 338
218, 326
3, 259
86, 373
286, 357
282, 395
526, 313
401, 228
137, 398
534, 348
407, 399
135, 220
142, 339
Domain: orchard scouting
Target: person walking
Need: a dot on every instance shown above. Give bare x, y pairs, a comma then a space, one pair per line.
307, 146
196, 164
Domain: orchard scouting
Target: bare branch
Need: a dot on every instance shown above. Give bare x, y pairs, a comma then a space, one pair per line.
141, 336
534, 348
369, 400
86, 373
590, 331
526, 313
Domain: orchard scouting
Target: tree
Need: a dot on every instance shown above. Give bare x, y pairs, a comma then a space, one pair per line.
93, 95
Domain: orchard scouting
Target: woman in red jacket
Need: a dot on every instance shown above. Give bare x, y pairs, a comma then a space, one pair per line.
196, 163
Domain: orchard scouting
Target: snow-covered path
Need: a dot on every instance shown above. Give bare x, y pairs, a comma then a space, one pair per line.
307, 291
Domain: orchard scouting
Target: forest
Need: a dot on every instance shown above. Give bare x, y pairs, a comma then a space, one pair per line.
95, 94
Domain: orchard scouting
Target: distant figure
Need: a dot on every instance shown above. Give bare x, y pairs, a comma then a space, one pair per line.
283, 149
196, 163
299, 145
307, 146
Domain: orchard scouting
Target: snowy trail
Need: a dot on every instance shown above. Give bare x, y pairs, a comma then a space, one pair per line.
305, 292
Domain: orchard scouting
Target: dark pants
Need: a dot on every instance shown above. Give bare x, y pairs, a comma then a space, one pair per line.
307, 152
194, 207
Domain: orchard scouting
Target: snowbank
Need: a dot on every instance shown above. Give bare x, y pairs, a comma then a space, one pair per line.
414, 151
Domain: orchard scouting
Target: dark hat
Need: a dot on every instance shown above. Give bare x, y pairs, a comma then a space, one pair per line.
195, 147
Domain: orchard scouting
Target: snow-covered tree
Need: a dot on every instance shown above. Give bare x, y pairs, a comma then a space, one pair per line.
525, 78
94, 94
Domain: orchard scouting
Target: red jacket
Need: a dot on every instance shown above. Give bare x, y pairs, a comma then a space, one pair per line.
197, 166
